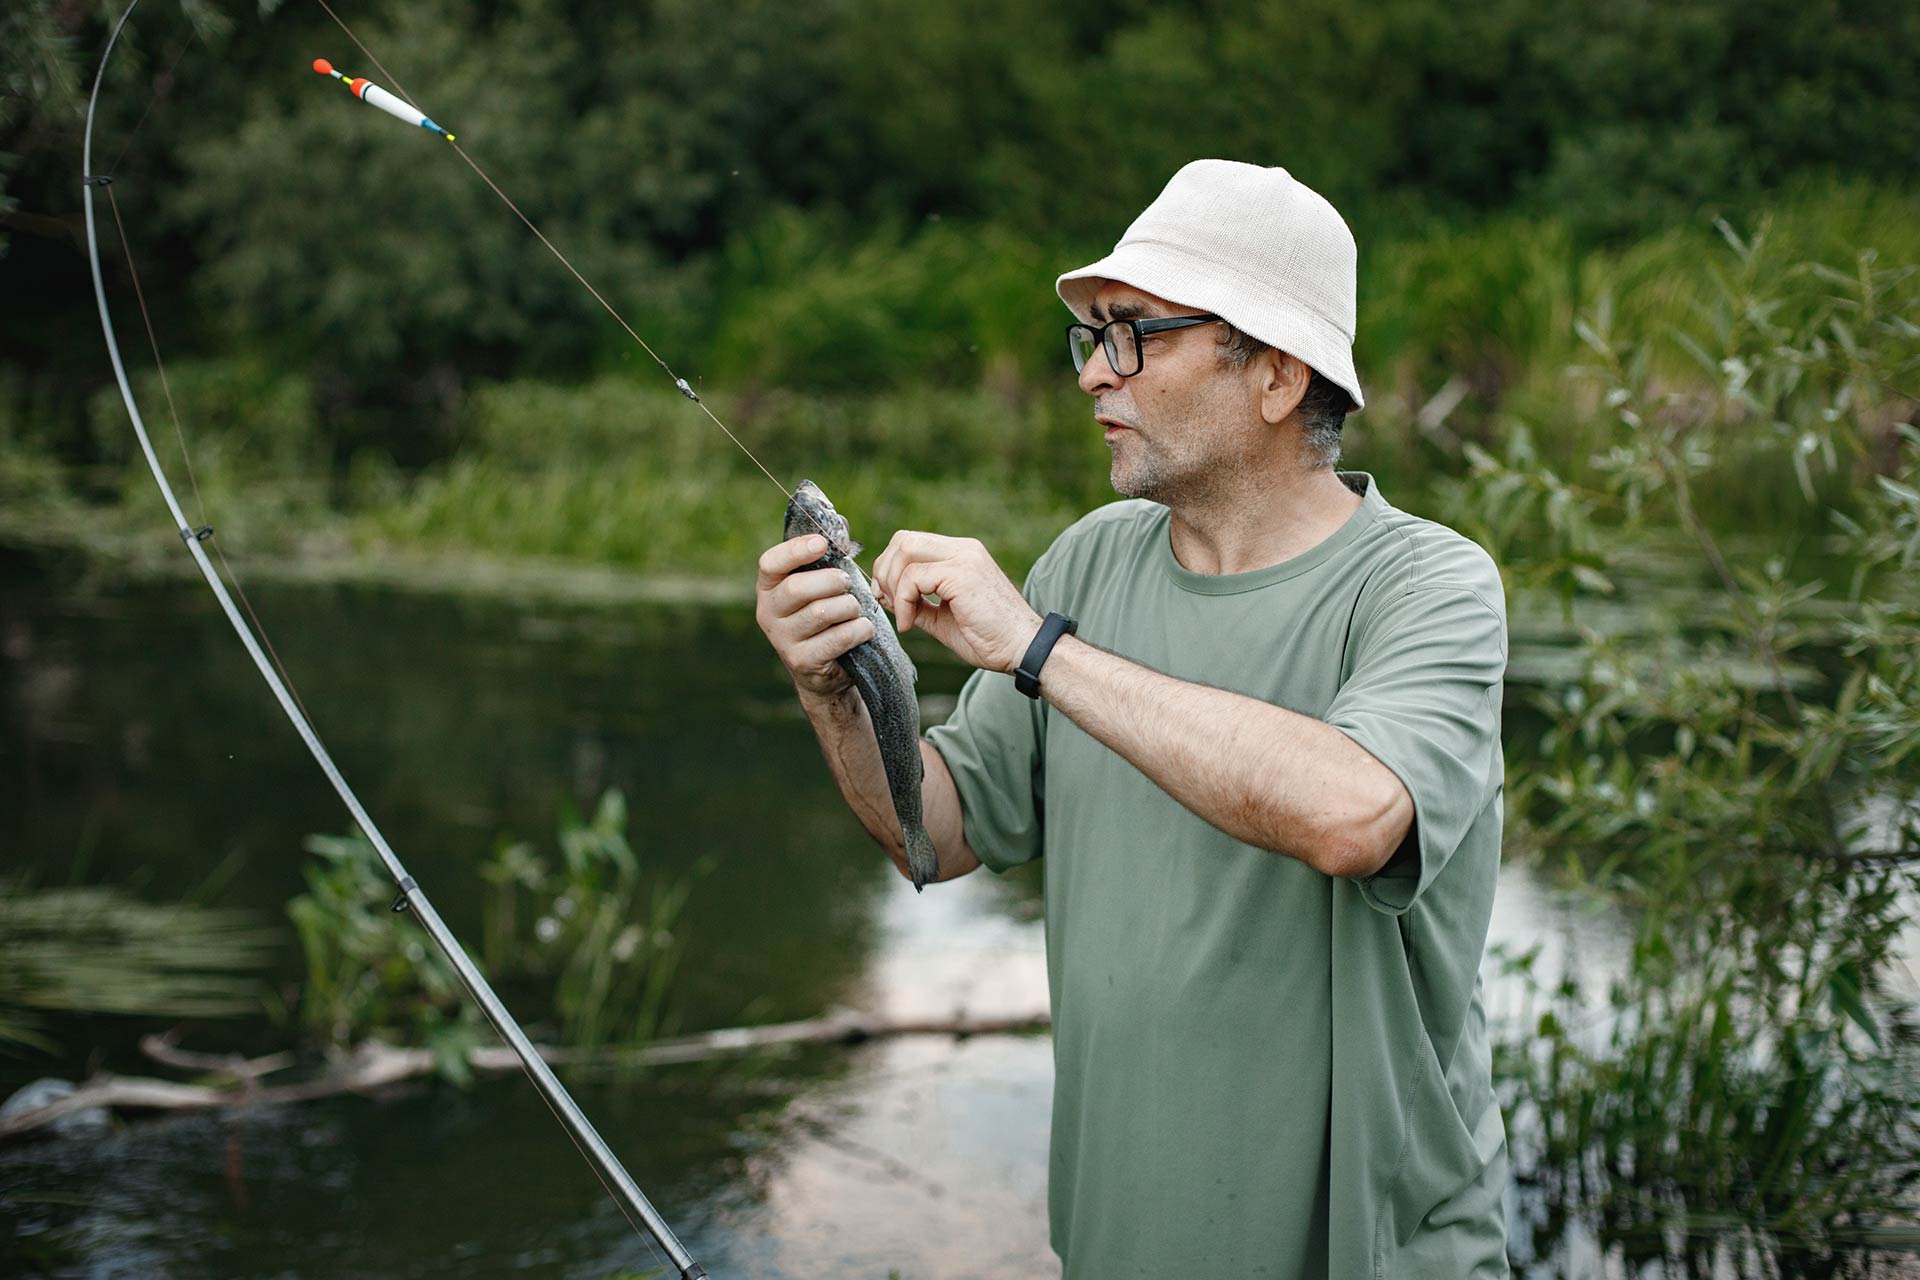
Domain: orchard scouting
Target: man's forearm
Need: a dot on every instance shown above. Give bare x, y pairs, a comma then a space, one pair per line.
845, 731
1265, 775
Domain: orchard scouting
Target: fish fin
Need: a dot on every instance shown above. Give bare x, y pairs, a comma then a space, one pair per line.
922, 859
854, 548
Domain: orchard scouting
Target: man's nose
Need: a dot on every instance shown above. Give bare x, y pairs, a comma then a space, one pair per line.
1098, 375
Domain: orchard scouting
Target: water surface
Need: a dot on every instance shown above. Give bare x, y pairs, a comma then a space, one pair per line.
140, 748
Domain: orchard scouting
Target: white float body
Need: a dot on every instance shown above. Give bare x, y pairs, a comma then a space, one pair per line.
396, 107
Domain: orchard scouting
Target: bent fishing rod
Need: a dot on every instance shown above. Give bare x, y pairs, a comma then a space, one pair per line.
619, 1184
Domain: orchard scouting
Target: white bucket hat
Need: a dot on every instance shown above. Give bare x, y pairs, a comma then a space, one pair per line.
1258, 248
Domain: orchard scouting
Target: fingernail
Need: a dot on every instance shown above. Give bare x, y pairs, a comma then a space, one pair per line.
816, 545
848, 577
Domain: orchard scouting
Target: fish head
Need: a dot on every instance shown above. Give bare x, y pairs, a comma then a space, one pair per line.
811, 511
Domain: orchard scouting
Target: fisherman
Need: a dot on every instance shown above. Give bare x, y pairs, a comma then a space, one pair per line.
1264, 773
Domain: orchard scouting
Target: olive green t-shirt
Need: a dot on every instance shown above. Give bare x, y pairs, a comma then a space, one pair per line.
1261, 1070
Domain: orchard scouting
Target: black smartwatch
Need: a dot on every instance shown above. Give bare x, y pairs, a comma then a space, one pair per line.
1026, 676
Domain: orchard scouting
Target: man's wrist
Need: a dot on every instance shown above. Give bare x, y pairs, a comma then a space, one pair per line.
1026, 673
839, 704
1011, 664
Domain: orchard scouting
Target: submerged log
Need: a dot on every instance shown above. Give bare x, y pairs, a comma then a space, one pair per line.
374, 1064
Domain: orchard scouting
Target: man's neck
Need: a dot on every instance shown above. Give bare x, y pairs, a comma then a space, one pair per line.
1272, 521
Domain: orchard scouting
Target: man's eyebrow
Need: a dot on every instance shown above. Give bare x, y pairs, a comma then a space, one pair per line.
1118, 311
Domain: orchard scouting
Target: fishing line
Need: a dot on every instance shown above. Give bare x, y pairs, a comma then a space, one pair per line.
678, 381
205, 531
153, 99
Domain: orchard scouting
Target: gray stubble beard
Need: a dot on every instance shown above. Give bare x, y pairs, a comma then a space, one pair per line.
1148, 477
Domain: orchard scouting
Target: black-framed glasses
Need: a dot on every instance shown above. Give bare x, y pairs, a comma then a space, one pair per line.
1122, 339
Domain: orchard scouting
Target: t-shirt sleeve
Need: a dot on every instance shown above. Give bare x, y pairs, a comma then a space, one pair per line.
1424, 700
994, 745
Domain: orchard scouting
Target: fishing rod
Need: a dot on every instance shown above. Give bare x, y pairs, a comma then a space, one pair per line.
619, 1184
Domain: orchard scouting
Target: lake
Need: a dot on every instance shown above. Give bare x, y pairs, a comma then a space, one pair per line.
138, 747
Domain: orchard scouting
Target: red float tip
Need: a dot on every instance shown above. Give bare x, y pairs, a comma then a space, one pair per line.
324, 67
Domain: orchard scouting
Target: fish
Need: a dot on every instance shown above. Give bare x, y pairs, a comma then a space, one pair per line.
882, 673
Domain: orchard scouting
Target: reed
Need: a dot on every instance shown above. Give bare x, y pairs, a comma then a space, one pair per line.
97, 949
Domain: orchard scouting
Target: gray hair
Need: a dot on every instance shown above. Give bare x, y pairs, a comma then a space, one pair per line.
1322, 410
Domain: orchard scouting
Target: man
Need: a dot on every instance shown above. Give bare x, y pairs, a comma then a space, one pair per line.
1265, 775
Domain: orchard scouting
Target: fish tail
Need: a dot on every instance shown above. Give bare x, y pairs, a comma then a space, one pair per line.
922, 861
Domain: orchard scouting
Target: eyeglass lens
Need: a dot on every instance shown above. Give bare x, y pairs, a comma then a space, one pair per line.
1123, 348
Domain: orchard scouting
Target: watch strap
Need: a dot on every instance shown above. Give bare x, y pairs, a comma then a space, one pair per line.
1026, 676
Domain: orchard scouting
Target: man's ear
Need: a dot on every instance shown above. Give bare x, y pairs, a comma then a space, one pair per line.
1283, 384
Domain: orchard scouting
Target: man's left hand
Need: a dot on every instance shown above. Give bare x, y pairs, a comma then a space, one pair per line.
981, 615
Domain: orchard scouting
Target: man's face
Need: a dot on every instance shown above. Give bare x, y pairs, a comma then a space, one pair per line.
1187, 421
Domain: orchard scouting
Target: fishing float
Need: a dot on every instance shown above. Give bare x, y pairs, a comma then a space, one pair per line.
374, 96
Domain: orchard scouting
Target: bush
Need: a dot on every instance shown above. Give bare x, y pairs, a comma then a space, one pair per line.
1741, 776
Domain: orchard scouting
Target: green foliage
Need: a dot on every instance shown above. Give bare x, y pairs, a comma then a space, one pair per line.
648, 141
98, 950
979, 422
811, 310
249, 423
368, 969
1743, 776
611, 949
587, 926
1717, 1106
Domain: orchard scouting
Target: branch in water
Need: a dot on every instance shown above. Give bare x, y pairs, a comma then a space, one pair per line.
374, 1064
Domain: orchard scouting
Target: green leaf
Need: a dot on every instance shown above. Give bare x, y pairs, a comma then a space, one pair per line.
1843, 989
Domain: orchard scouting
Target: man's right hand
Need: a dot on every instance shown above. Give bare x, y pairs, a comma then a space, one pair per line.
811, 618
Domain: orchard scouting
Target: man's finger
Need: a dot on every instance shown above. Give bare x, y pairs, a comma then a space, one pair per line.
913, 546
797, 590
883, 565
916, 580
834, 642
823, 614
779, 561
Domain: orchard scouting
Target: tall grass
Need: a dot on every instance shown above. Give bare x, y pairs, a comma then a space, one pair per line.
95, 949
614, 473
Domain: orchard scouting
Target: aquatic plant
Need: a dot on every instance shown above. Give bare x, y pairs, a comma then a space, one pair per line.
369, 970
1743, 777
611, 949
97, 949
588, 928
